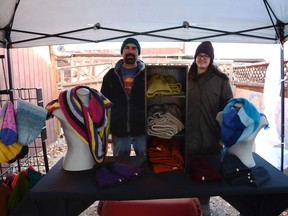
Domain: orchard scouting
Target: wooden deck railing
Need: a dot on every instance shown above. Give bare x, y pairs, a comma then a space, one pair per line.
253, 77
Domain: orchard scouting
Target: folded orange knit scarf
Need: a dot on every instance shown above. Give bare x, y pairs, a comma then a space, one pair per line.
165, 155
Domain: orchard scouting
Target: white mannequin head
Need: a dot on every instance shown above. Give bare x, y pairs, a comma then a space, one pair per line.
244, 148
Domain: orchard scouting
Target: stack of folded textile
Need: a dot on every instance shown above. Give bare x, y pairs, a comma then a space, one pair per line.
164, 121
163, 85
164, 155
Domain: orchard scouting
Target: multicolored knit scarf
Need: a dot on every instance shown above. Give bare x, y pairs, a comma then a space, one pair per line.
90, 123
238, 122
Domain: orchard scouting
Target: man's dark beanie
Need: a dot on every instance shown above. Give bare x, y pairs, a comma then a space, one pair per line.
207, 48
131, 40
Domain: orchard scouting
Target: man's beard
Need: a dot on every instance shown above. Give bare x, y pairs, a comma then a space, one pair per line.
130, 59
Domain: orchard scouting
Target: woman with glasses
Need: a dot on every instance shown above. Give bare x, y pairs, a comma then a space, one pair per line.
209, 91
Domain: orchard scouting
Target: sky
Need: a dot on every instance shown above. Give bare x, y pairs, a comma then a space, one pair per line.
222, 50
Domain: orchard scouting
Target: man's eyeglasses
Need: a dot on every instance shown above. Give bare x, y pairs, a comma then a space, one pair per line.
205, 57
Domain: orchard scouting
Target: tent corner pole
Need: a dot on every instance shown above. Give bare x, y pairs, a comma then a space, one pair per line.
282, 93
9, 72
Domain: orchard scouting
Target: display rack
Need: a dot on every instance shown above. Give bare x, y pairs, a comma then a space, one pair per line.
179, 74
37, 154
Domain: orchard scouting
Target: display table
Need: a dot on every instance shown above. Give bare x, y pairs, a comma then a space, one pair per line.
62, 192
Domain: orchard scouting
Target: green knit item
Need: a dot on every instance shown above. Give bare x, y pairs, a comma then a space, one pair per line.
18, 193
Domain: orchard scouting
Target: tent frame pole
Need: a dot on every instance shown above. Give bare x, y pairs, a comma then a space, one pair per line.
279, 27
282, 93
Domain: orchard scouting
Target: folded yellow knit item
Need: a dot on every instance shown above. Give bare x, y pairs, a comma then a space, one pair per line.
9, 152
157, 83
163, 85
161, 93
176, 88
170, 79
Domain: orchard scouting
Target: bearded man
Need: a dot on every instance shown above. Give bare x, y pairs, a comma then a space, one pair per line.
124, 86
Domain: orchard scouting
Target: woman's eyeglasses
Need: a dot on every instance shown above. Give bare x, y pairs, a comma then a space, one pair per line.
200, 56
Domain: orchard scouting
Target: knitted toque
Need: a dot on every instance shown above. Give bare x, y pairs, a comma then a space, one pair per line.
131, 40
202, 171
207, 48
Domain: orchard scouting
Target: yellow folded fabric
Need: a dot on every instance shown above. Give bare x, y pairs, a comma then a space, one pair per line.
170, 79
163, 85
156, 84
9, 152
176, 88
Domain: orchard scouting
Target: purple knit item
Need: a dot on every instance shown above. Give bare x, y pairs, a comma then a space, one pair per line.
112, 174
126, 171
106, 178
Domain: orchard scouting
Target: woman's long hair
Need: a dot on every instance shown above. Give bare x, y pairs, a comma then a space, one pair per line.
192, 73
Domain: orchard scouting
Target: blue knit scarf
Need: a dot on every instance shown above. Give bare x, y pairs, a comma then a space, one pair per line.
238, 122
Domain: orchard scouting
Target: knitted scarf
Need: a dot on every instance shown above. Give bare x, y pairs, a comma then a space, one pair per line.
90, 123
238, 122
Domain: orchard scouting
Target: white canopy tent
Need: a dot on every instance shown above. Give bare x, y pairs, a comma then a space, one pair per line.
49, 22
32, 23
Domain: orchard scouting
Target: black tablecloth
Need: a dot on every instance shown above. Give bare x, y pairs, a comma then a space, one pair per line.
62, 192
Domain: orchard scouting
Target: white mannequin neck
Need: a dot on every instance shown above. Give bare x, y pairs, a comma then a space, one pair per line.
243, 150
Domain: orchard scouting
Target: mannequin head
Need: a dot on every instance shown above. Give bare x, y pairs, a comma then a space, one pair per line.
78, 156
84, 115
240, 123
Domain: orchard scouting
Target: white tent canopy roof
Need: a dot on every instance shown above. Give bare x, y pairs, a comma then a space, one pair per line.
52, 22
